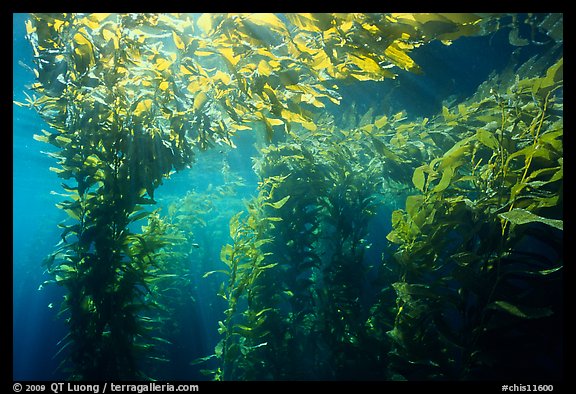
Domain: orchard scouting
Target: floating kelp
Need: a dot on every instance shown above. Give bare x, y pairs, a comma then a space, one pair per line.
131, 98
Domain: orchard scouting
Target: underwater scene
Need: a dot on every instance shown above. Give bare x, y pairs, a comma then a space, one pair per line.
288, 197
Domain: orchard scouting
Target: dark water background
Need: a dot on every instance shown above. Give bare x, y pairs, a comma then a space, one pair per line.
451, 72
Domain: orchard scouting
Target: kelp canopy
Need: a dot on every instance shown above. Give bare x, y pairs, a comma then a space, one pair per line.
131, 98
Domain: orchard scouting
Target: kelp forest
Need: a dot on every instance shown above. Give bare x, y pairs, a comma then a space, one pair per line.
332, 238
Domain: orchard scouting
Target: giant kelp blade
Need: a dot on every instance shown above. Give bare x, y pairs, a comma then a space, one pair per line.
521, 216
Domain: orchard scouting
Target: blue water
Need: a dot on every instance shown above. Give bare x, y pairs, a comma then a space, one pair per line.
454, 70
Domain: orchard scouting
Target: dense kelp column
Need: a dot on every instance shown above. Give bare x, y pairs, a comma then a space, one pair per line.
480, 245
116, 147
295, 293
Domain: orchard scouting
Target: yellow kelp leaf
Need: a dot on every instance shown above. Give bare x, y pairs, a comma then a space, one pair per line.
92, 160
88, 23
303, 44
447, 115
110, 35
185, 70
304, 21
228, 54
226, 253
264, 69
311, 99
164, 85
403, 17
178, 41
80, 39
294, 117
278, 204
29, 28
62, 139
41, 138
365, 63
207, 22
222, 76
98, 17
84, 52
162, 64
199, 100
553, 138
373, 29
275, 122
266, 19
455, 156
58, 24
401, 59
74, 214
143, 106
197, 84
320, 60
381, 122
367, 128
236, 127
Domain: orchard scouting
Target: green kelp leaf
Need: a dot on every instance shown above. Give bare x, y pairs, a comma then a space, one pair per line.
549, 271
137, 216
73, 213
273, 219
521, 311
207, 274
384, 151
163, 340
202, 359
516, 270
554, 75
226, 254
487, 138
522, 216
278, 204
465, 258
234, 225
447, 176
418, 178
413, 204
403, 290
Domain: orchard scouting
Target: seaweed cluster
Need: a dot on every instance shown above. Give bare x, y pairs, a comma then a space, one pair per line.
480, 244
468, 286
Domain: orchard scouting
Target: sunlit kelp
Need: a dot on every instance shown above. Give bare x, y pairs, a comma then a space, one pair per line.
132, 97
113, 146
